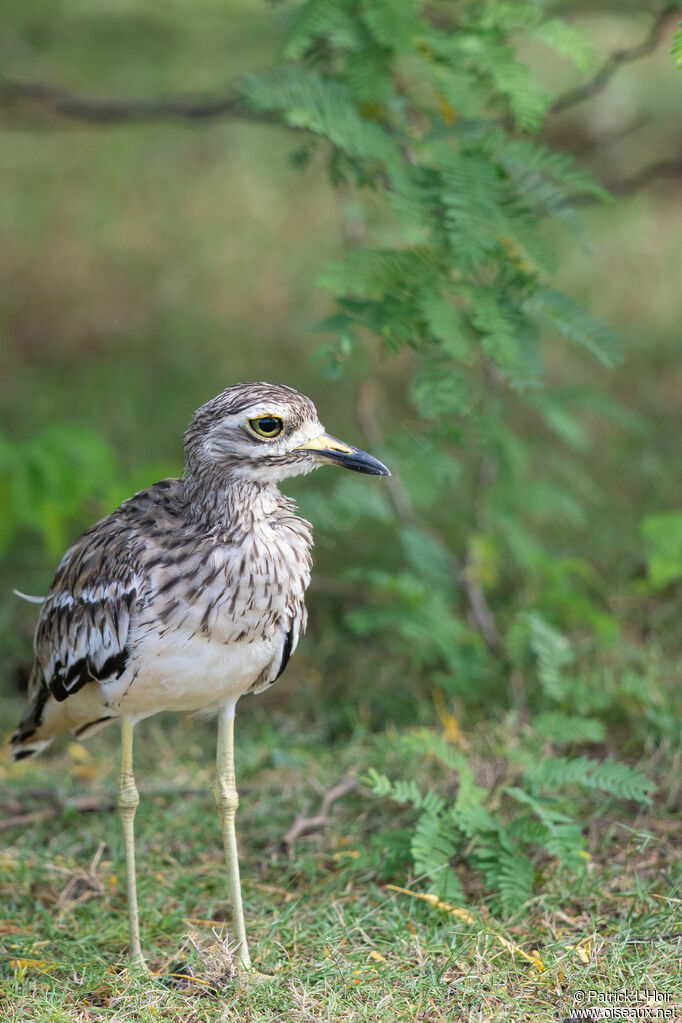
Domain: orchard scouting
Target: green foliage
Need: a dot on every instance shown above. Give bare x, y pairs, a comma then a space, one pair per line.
505, 833
559, 728
439, 124
328, 893
676, 49
621, 780
508, 830
461, 277
567, 41
663, 538
429, 121
56, 483
46, 482
530, 633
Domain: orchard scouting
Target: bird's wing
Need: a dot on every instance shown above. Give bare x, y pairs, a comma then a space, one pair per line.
84, 621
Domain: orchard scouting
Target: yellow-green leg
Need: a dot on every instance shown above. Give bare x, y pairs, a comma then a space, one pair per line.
228, 801
128, 799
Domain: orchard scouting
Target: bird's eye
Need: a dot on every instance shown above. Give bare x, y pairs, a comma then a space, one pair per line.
267, 426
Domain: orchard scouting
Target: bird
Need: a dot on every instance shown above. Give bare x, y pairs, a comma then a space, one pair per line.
186, 597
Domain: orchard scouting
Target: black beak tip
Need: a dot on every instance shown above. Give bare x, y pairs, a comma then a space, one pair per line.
355, 459
368, 464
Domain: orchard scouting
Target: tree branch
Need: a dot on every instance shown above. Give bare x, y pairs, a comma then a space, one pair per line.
670, 168
654, 171
613, 63
55, 100
593, 143
304, 825
478, 604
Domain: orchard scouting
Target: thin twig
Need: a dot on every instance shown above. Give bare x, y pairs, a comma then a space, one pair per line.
303, 825
478, 604
605, 139
86, 804
479, 608
56, 100
53, 99
82, 884
654, 171
612, 64
366, 417
26, 820
671, 168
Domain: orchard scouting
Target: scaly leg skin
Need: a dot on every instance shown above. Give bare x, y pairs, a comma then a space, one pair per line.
128, 799
227, 799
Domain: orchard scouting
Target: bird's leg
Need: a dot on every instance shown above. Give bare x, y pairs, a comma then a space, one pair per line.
228, 801
128, 799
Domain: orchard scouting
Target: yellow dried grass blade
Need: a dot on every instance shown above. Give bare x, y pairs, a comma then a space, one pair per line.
433, 900
451, 730
515, 950
463, 914
33, 964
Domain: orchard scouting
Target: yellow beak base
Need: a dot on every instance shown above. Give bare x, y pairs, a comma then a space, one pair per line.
332, 450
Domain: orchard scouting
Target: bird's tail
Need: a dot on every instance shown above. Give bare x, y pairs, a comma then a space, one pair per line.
82, 713
26, 739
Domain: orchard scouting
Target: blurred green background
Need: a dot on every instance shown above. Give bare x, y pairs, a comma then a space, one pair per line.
146, 266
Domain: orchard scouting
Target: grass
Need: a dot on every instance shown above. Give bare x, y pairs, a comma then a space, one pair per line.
326, 923
164, 259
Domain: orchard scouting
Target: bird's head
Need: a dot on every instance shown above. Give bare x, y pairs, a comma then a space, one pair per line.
265, 433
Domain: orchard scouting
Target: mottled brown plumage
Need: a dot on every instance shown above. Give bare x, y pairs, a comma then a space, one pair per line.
190, 594
181, 577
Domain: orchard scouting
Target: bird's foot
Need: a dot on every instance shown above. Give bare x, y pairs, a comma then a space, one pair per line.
138, 965
253, 976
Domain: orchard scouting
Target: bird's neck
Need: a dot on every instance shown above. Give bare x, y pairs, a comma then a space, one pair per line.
227, 502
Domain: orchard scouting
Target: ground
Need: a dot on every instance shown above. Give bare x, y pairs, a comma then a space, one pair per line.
336, 941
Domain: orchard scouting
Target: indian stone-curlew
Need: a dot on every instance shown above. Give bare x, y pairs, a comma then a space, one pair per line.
186, 597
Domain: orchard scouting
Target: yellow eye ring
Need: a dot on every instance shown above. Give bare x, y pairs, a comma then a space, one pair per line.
267, 427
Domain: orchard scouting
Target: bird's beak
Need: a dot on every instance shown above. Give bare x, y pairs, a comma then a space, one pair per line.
330, 449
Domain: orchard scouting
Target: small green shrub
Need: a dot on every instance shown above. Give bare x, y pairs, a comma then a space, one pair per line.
504, 834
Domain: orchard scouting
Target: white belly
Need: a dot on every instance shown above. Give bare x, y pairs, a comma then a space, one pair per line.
179, 672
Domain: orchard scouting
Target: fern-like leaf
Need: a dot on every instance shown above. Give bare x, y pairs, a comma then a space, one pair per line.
310, 101
610, 776
559, 311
